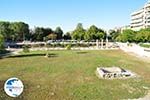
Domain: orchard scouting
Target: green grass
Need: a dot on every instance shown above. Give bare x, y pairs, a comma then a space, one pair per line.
70, 75
145, 45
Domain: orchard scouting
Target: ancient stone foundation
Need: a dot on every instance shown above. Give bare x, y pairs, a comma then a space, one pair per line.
114, 73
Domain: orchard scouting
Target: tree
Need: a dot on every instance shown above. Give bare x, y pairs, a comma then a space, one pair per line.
47, 31
5, 30
94, 33
87, 37
40, 33
127, 36
59, 33
1, 42
131, 36
78, 33
20, 30
143, 35
100, 35
67, 36
113, 35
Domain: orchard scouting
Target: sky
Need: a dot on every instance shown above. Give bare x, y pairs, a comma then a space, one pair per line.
105, 14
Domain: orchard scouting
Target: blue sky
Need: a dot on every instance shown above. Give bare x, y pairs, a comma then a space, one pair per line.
105, 14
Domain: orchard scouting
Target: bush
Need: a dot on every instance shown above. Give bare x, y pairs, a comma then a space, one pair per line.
68, 47
26, 49
3, 51
145, 45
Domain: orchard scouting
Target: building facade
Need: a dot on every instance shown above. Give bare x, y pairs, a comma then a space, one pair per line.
141, 18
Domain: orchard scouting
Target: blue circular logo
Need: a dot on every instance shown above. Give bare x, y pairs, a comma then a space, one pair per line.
13, 87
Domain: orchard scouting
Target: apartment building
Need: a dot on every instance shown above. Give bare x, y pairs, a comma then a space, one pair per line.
141, 18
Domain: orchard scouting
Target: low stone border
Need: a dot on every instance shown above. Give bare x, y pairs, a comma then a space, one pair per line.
114, 73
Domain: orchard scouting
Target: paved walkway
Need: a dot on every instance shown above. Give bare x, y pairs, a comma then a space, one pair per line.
134, 48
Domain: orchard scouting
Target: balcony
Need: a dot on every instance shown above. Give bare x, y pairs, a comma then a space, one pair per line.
137, 16
137, 21
137, 12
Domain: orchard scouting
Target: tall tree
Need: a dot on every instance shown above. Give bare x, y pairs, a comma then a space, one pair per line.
67, 36
59, 33
143, 35
94, 33
5, 30
79, 32
39, 33
21, 30
113, 35
127, 36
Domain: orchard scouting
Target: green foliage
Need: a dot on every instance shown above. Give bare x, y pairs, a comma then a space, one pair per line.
67, 36
20, 31
127, 36
68, 47
15, 31
143, 35
131, 36
113, 35
40, 33
59, 33
1, 42
92, 33
6, 31
26, 49
145, 45
79, 32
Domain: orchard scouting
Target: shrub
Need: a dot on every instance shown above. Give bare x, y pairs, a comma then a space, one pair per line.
145, 45
68, 47
26, 49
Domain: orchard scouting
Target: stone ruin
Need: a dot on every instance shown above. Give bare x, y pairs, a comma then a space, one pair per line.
114, 73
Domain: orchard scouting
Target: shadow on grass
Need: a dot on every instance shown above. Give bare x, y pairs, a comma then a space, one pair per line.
4, 53
33, 55
81, 52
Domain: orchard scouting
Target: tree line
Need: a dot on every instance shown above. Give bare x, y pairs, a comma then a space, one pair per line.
14, 31
92, 33
19, 31
129, 35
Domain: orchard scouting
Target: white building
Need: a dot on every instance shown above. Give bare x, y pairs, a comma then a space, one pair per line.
141, 18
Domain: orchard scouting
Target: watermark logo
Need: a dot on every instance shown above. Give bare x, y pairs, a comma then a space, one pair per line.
13, 87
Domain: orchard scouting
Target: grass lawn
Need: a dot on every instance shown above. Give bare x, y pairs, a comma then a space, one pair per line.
145, 45
70, 75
